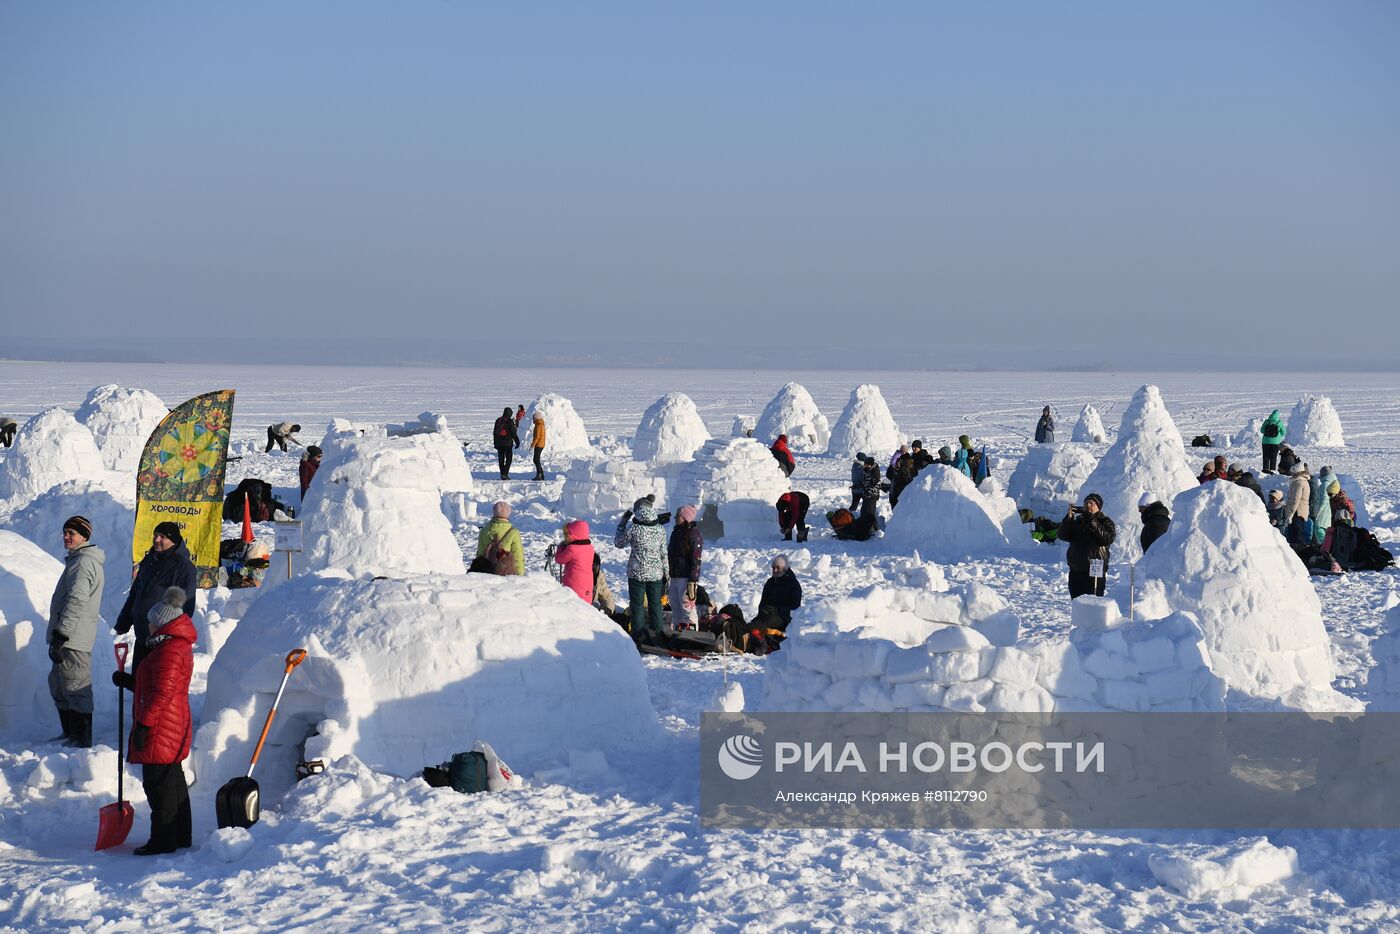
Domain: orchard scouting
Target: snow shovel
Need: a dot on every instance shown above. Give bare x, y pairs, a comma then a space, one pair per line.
114, 820
237, 803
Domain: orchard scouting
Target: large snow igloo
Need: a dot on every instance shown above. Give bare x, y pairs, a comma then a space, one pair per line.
564, 431
671, 430
1222, 561
794, 413
945, 518
404, 673
1089, 428
121, 420
734, 483
1049, 478
1314, 423
865, 425
51, 448
1147, 456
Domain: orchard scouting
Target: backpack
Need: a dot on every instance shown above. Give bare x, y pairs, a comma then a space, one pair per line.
1201, 441
500, 558
468, 772
1369, 554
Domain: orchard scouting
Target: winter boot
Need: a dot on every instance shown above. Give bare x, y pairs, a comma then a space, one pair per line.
787, 535
81, 737
802, 533
66, 718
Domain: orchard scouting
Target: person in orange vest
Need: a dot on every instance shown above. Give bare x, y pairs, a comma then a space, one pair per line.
537, 434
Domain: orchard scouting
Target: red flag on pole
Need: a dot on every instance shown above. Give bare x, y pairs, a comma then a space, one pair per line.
247, 521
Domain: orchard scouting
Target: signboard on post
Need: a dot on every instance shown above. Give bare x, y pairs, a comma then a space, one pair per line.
288, 539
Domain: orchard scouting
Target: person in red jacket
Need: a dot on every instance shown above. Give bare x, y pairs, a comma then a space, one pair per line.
310, 463
783, 455
161, 725
576, 555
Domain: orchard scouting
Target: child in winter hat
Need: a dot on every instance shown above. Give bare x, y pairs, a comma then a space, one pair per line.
171, 607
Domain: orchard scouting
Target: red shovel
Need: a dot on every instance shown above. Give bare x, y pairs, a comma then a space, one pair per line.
114, 820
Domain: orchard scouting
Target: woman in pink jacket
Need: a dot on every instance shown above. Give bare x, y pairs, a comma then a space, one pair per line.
576, 555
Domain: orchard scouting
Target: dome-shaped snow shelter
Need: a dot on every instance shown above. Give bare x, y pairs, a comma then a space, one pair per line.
1049, 478
794, 413
944, 517
404, 673
742, 426
1221, 560
735, 484
564, 431
1250, 436
121, 420
1089, 428
27, 581
671, 430
865, 425
1315, 423
375, 505
1147, 455
50, 449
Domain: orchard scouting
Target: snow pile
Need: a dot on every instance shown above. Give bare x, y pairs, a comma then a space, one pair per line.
944, 517
564, 431
1383, 682
1147, 455
1232, 871
50, 449
1251, 435
735, 484
404, 673
375, 506
426, 423
907, 649
1089, 428
113, 517
670, 430
121, 420
865, 425
743, 426
793, 412
1314, 423
1003, 509
1049, 478
1221, 560
596, 489
27, 580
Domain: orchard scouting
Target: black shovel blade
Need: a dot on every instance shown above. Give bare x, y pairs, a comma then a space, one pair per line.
238, 803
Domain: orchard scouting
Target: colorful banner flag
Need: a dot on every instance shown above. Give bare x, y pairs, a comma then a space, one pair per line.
181, 480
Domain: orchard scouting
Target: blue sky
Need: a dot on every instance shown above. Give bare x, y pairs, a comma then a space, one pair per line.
1185, 176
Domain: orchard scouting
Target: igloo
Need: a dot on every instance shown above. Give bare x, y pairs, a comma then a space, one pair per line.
564, 431
743, 426
735, 484
1315, 423
404, 673
793, 412
1089, 428
1250, 436
1049, 478
1004, 510
50, 449
670, 430
375, 506
944, 517
121, 421
1222, 561
1147, 455
865, 425
603, 489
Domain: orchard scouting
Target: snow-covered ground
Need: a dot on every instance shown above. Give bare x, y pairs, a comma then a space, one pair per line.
605, 842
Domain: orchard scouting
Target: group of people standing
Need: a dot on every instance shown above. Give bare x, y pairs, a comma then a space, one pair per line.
505, 438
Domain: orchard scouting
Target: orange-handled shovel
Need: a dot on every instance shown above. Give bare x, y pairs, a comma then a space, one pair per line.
114, 820
238, 803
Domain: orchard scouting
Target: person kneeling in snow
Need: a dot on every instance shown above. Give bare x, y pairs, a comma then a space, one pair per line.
499, 543
1089, 533
683, 558
1156, 519
161, 725
576, 555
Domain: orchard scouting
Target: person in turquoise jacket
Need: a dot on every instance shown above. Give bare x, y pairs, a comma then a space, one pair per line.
1320, 505
961, 457
1272, 435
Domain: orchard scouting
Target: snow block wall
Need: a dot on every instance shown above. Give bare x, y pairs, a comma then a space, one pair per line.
51, 448
743, 426
27, 580
1049, 478
735, 484
1250, 436
794, 413
1315, 423
1089, 428
865, 425
121, 420
375, 506
603, 489
404, 673
564, 431
426, 423
905, 649
671, 430
1147, 455
944, 517
1221, 561
1383, 681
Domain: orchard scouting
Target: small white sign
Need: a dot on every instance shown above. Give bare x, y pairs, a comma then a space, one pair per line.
288, 535
1095, 564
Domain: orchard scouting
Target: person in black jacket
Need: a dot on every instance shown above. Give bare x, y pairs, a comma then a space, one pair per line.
505, 440
1246, 479
870, 488
782, 592
683, 559
166, 565
1089, 533
1156, 519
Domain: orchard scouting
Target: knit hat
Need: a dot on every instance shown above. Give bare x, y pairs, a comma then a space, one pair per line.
1276, 494
171, 606
965, 441
916, 443
945, 452
1236, 468
860, 456
170, 530
80, 525
1094, 498
1334, 488
501, 510
686, 513
313, 451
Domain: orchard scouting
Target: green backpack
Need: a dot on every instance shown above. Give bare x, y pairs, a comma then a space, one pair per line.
468, 772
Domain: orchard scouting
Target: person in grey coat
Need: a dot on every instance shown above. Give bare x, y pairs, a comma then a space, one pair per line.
1045, 428
73, 629
645, 532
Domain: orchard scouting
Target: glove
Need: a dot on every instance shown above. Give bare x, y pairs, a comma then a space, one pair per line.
56, 650
122, 627
124, 679
690, 590
138, 736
